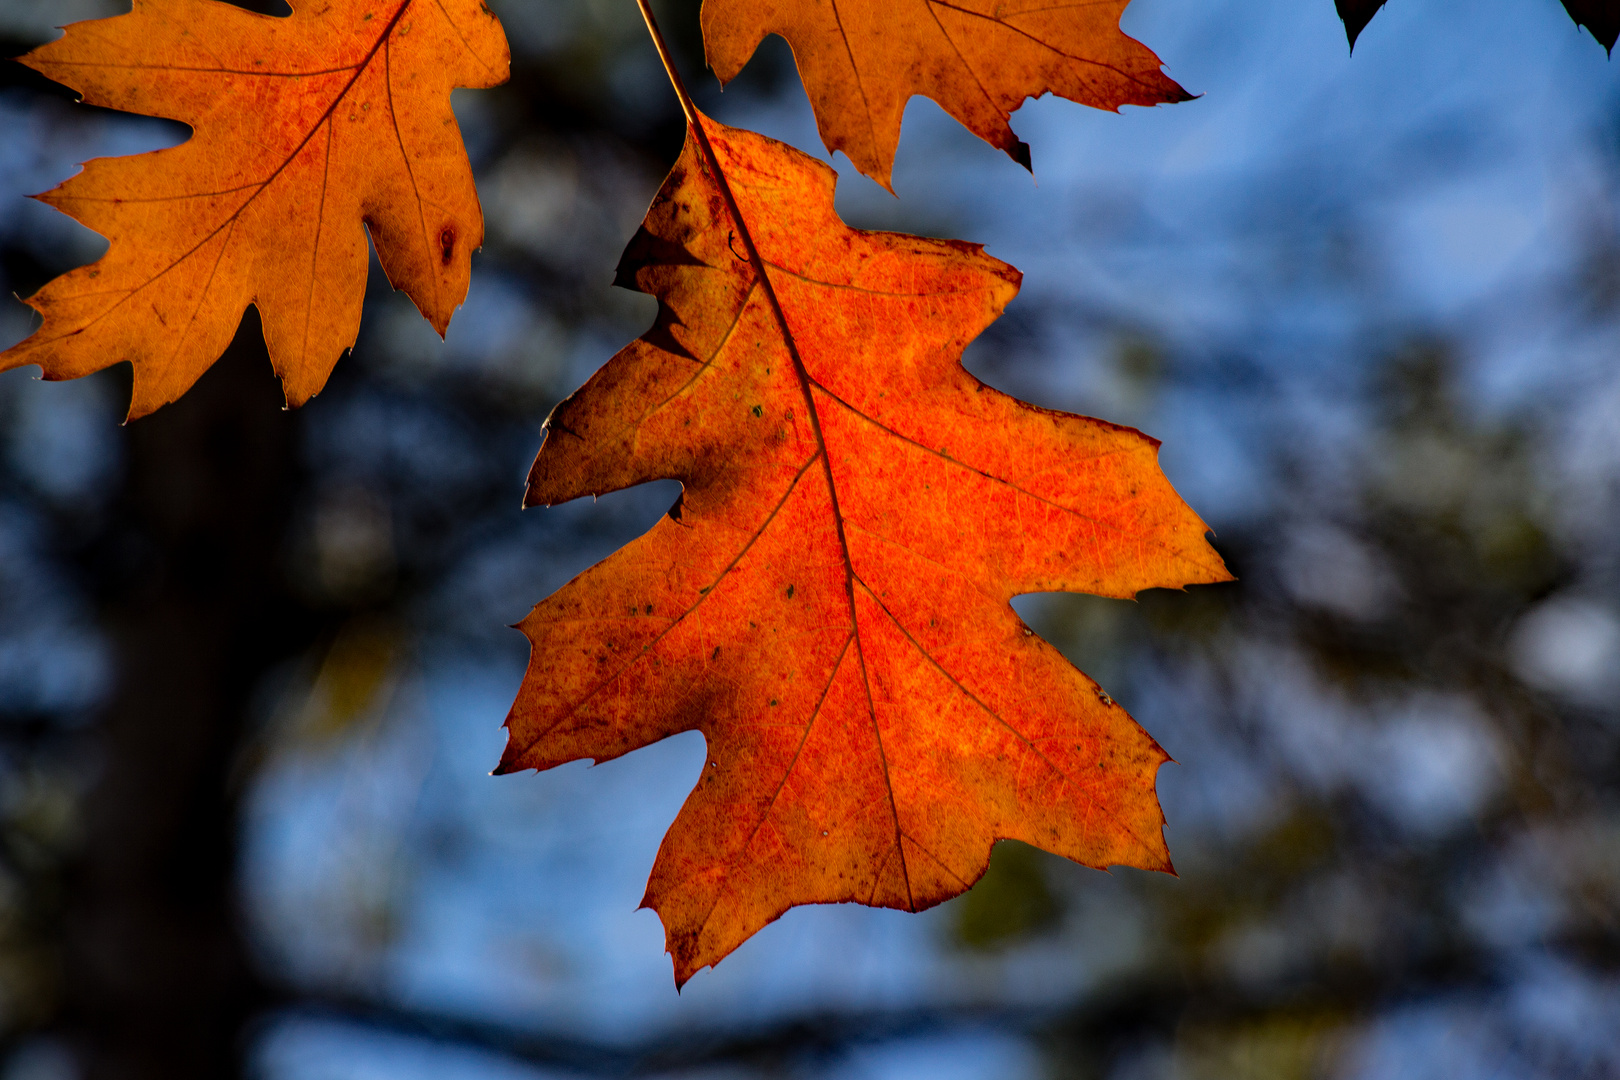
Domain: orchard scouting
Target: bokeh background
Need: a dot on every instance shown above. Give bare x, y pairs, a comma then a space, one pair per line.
253, 664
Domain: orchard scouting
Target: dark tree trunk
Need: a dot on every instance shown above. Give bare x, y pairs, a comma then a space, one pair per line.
159, 980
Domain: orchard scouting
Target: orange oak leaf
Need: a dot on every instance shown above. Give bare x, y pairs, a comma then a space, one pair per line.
828, 600
862, 60
304, 127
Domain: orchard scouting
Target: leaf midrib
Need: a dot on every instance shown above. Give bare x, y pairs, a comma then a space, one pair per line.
801, 373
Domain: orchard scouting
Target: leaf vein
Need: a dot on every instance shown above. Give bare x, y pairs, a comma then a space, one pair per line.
703, 595
781, 785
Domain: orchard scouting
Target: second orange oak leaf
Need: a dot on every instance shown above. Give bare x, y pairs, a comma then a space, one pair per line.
862, 60
305, 126
828, 601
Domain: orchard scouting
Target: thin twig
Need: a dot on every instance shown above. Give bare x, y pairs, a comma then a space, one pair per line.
712, 163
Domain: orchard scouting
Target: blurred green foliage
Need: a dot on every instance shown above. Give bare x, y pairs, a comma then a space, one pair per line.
1010, 903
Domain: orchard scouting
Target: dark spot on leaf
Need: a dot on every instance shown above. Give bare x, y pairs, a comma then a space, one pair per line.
447, 243
790, 592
